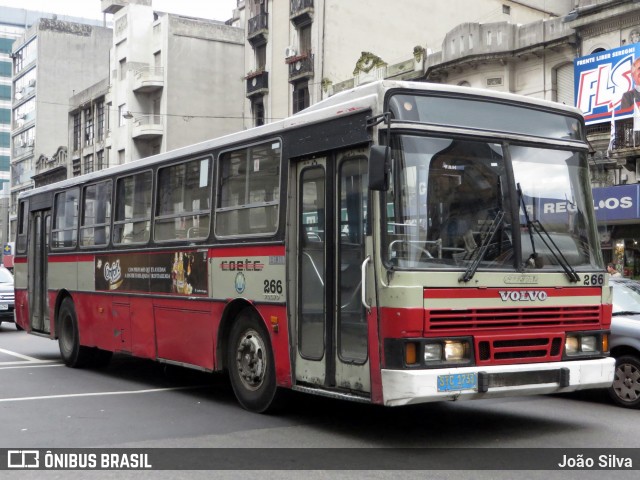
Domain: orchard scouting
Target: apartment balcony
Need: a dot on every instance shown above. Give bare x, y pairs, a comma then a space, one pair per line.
301, 12
257, 83
148, 79
112, 6
258, 30
626, 143
147, 127
300, 67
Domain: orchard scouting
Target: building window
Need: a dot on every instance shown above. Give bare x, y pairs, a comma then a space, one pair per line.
5, 69
261, 57
122, 109
88, 164
88, 126
123, 69
6, 45
100, 164
300, 96
25, 56
506, 9
5, 139
305, 39
121, 157
76, 132
257, 106
100, 121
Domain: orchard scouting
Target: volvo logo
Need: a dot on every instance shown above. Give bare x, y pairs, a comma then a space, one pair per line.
523, 295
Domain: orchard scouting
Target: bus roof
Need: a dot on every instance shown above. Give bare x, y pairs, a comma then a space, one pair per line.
357, 99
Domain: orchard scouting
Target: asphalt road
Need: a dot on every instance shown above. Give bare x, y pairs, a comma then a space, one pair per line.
140, 404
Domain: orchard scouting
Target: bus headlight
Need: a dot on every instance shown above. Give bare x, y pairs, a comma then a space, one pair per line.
571, 345
454, 351
585, 343
589, 344
447, 351
432, 352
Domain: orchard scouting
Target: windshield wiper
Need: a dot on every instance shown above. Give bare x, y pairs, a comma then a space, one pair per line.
481, 251
536, 226
625, 312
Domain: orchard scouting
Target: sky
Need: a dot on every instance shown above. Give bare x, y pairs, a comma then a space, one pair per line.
211, 9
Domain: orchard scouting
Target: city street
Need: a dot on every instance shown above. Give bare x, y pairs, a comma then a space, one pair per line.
141, 404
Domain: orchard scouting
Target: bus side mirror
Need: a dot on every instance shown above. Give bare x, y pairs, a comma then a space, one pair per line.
379, 168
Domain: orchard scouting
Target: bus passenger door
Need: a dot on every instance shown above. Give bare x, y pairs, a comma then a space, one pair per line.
331, 343
37, 285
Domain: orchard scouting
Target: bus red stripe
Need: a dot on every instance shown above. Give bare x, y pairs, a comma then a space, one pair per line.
444, 293
249, 251
70, 258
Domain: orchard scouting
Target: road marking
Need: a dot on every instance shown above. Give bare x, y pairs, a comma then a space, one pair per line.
50, 363
19, 355
98, 394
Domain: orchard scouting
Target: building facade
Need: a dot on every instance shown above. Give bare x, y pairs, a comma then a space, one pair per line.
42, 85
297, 50
173, 81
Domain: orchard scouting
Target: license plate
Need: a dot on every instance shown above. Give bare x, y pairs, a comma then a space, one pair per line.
4, 306
457, 381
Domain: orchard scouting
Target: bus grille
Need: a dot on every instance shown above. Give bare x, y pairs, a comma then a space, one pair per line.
584, 316
530, 349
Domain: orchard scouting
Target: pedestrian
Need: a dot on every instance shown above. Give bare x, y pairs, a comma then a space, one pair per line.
611, 268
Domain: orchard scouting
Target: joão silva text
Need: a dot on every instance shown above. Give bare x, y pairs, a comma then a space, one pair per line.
604, 461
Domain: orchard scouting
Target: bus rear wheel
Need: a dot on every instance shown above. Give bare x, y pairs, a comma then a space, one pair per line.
73, 354
250, 363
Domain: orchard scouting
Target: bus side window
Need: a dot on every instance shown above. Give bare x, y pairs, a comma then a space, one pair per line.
96, 214
65, 220
132, 216
23, 219
249, 191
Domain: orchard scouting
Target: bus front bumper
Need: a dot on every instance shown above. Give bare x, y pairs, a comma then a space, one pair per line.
405, 387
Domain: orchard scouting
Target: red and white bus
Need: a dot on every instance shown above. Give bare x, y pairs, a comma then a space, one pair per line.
397, 243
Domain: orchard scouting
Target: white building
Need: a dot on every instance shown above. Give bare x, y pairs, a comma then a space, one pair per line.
174, 80
297, 49
52, 60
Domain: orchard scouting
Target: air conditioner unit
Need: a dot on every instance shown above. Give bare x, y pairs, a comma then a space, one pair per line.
20, 143
30, 142
290, 52
32, 82
21, 116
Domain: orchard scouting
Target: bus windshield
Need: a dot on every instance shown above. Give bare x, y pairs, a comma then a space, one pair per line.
451, 203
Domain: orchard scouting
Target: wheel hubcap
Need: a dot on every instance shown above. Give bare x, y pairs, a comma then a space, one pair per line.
250, 360
627, 383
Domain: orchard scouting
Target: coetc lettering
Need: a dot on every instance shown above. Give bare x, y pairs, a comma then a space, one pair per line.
523, 295
241, 265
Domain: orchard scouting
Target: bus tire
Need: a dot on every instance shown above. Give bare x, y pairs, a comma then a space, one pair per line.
250, 363
625, 390
73, 354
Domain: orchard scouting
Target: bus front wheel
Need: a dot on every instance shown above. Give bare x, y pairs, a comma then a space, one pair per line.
73, 354
250, 363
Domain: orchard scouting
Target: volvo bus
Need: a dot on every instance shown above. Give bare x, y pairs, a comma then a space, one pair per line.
397, 243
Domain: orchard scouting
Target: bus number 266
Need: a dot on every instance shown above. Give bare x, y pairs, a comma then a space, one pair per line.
273, 286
